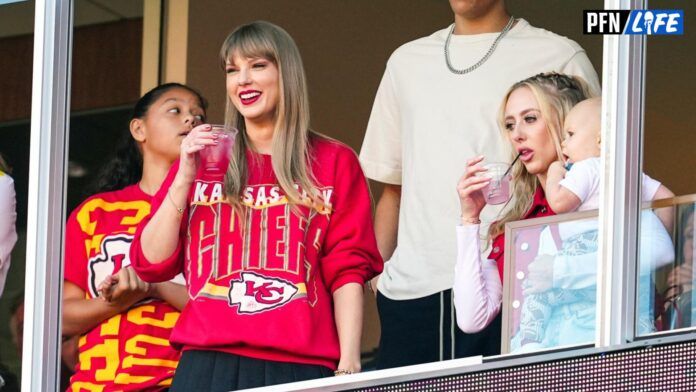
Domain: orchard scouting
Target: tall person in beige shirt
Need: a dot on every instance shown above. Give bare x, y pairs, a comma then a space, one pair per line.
435, 108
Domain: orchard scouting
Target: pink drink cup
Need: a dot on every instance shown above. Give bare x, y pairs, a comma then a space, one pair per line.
498, 190
214, 159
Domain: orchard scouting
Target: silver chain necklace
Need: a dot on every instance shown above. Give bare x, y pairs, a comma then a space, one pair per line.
485, 57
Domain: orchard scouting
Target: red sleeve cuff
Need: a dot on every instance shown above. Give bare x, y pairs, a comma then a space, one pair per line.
350, 277
150, 272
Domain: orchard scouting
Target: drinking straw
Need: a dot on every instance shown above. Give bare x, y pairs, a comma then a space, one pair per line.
513, 162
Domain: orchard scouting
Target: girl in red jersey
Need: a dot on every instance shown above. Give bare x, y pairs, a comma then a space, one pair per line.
275, 255
124, 343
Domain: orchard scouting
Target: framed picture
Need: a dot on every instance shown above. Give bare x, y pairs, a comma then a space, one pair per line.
549, 284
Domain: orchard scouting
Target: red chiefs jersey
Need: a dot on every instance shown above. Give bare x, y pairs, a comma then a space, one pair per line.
261, 284
130, 351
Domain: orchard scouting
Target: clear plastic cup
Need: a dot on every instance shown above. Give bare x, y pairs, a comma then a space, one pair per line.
498, 190
214, 159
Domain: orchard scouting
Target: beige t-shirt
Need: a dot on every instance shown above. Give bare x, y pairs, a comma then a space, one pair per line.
426, 123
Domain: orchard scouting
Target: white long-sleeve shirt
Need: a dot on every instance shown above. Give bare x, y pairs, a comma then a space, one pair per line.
478, 292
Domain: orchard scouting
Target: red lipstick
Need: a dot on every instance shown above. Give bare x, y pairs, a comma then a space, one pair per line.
248, 97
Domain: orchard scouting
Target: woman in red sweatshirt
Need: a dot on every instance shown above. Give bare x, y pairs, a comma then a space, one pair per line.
275, 253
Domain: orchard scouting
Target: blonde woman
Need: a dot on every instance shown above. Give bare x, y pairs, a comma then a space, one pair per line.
275, 267
532, 117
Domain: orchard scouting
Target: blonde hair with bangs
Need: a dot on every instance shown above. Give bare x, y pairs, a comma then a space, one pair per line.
555, 94
290, 154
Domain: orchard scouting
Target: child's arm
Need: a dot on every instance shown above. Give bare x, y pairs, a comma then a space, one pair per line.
560, 199
666, 215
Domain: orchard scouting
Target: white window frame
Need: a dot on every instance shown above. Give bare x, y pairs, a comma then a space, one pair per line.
622, 139
50, 110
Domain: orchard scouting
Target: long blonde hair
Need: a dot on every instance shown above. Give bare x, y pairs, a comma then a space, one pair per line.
291, 154
555, 94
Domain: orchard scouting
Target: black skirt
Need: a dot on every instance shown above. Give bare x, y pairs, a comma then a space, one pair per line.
217, 371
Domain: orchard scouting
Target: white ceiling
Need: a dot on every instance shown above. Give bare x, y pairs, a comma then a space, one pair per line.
18, 18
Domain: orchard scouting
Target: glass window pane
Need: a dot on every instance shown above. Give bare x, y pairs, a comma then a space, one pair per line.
655, 252
679, 280
665, 280
16, 38
106, 77
664, 288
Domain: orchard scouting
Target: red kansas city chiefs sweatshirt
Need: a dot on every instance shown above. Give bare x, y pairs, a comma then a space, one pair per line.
261, 284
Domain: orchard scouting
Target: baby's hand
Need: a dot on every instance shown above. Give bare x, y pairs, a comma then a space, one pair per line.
557, 169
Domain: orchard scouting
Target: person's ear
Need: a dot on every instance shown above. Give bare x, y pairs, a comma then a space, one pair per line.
137, 129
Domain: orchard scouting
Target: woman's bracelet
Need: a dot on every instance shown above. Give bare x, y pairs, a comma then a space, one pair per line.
342, 372
470, 221
171, 199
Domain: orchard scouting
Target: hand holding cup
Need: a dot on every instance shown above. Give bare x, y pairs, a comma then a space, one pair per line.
498, 189
215, 158
469, 188
199, 137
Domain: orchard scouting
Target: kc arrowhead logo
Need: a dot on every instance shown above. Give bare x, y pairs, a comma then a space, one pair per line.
256, 293
112, 257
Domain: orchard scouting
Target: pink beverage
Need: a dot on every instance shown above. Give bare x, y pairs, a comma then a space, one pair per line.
214, 159
498, 190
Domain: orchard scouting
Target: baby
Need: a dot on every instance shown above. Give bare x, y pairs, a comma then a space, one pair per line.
575, 189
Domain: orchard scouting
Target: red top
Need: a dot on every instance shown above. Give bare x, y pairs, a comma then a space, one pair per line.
130, 351
266, 292
540, 207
